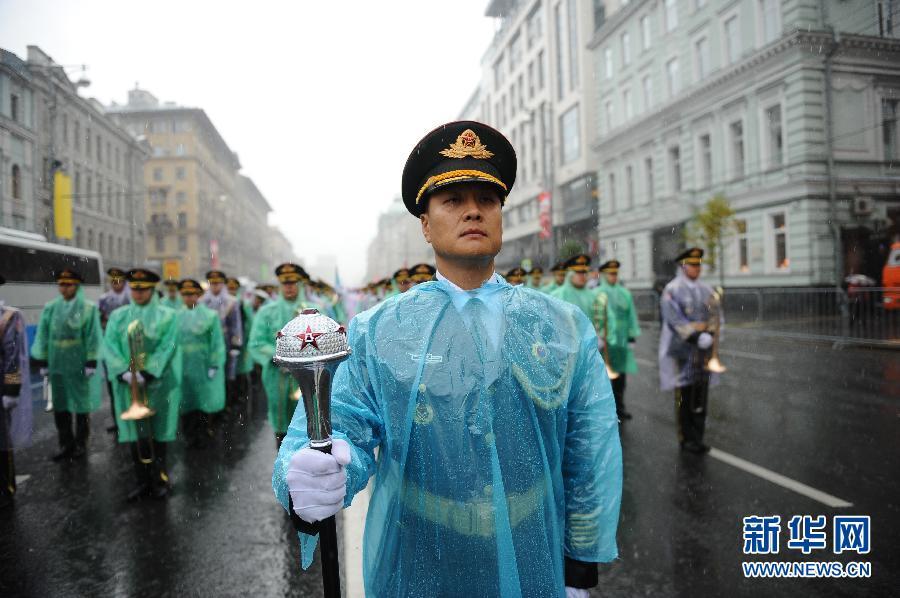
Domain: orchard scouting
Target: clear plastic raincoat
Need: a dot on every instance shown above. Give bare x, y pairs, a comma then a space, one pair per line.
282, 391
245, 360
15, 429
175, 302
68, 337
622, 326
202, 348
497, 438
161, 359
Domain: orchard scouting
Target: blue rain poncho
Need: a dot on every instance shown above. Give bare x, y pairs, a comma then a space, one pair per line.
15, 433
497, 438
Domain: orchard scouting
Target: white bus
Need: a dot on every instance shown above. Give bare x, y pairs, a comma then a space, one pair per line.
29, 264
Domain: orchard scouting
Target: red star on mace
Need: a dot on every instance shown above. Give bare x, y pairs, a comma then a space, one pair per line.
309, 338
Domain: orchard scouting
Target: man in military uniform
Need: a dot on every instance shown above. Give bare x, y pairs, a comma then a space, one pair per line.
172, 298
15, 410
229, 310
493, 423
516, 276
536, 277
66, 348
143, 360
622, 329
401, 281
574, 287
422, 273
559, 277
282, 392
203, 361
685, 341
244, 361
114, 298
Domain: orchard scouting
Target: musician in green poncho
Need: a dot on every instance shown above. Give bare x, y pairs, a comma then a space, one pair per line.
203, 364
244, 363
622, 330
282, 391
171, 298
152, 376
559, 277
66, 348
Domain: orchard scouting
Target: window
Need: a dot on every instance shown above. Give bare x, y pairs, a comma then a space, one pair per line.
769, 20
570, 131
77, 186
157, 174
87, 141
627, 104
515, 52
182, 219
180, 150
672, 77
732, 39
645, 32
535, 26
14, 107
521, 93
774, 137
160, 243
701, 58
179, 173
779, 244
99, 150
699, 4
118, 164
890, 110
180, 197
608, 61
671, 14
632, 259
182, 243
599, 13
119, 247
736, 131
540, 70
498, 73
16, 175
557, 18
572, 13
65, 128
705, 147
608, 108
742, 247
88, 189
530, 79
90, 238
647, 86
626, 49
629, 187
78, 236
76, 137
99, 194
675, 168
100, 242
612, 192
648, 178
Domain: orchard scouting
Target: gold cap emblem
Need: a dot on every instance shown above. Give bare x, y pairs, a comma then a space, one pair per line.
467, 145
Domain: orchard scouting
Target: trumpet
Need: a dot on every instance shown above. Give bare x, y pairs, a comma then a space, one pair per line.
139, 408
47, 389
713, 364
602, 302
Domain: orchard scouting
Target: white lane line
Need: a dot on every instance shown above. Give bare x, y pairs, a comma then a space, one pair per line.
20, 479
777, 478
746, 355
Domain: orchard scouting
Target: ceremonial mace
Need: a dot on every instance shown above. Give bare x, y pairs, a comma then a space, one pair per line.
310, 347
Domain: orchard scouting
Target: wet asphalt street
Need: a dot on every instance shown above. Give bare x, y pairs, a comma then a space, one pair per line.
826, 418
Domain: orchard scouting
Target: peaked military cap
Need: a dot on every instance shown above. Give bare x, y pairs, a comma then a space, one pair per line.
171, 282
69, 276
457, 152
516, 275
612, 266
422, 272
536, 270
141, 278
401, 275
691, 255
578, 263
215, 276
558, 267
116, 273
232, 283
189, 286
288, 272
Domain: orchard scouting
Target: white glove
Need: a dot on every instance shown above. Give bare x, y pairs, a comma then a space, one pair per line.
10, 402
211, 372
43, 371
704, 341
576, 593
234, 352
318, 481
126, 377
88, 372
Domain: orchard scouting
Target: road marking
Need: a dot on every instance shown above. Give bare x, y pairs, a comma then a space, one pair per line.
777, 478
20, 479
747, 355
645, 362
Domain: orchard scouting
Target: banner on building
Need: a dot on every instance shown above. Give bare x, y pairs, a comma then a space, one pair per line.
62, 205
171, 269
544, 215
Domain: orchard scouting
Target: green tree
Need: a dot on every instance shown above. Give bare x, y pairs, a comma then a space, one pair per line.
708, 228
569, 248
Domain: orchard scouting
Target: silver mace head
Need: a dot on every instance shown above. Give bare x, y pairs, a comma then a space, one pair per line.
311, 346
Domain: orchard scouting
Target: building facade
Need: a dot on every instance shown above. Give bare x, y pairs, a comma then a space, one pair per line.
536, 89
398, 243
757, 101
17, 143
104, 162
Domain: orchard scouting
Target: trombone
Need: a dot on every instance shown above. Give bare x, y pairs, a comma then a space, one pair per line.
603, 299
713, 364
139, 408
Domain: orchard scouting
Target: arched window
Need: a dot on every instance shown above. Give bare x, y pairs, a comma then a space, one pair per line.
78, 238
90, 239
100, 242
16, 182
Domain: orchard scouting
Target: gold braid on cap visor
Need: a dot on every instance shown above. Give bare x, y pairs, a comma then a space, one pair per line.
142, 285
66, 280
461, 175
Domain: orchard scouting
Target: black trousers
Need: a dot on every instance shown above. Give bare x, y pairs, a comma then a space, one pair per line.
690, 411
67, 437
197, 428
618, 388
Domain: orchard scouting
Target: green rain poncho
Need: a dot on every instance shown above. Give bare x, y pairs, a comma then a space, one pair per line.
582, 298
622, 325
281, 389
174, 302
245, 361
69, 336
202, 348
161, 359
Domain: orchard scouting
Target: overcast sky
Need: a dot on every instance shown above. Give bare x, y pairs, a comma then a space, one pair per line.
322, 100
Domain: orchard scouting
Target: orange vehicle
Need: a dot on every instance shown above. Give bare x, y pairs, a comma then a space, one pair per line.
890, 279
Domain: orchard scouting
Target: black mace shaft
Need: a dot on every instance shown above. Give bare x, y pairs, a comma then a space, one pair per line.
328, 546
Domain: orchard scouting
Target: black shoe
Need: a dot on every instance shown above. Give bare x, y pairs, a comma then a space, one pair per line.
65, 453
624, 415
139, 492
112, 428
698, 448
